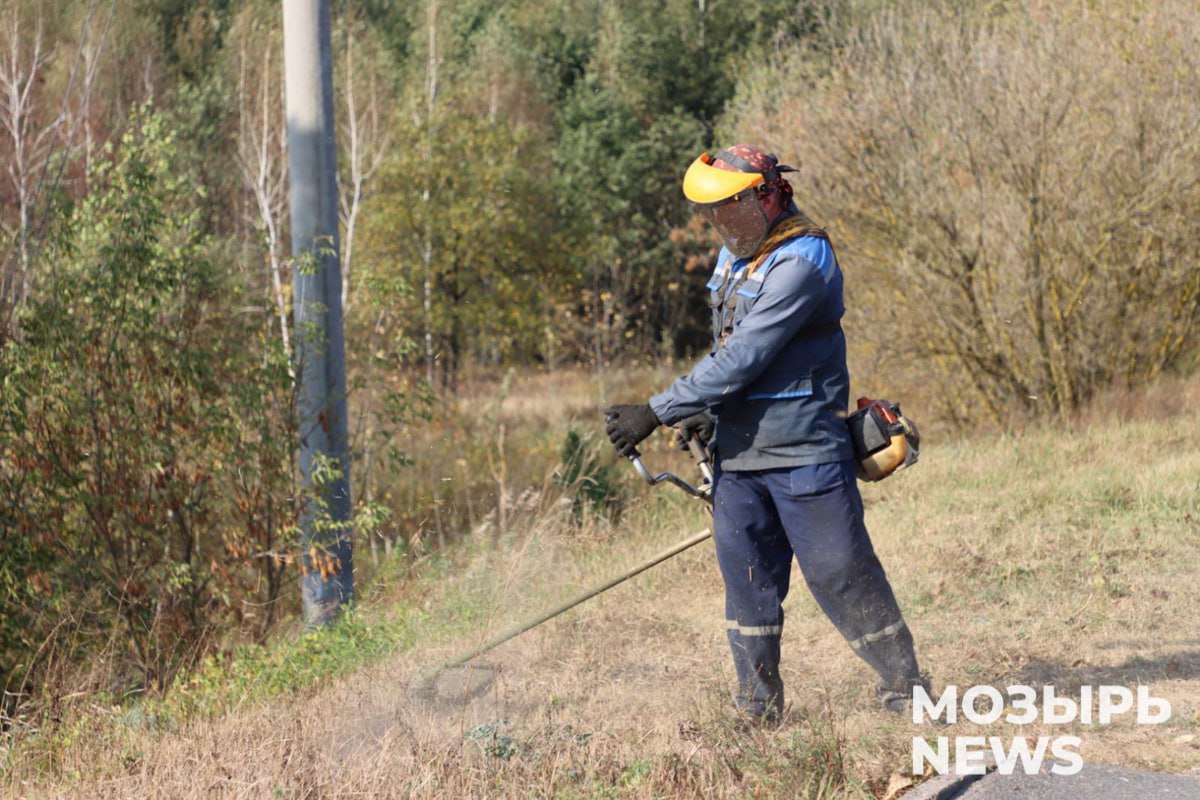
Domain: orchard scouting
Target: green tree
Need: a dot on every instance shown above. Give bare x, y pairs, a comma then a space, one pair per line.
476, 216
655, 80
620, 182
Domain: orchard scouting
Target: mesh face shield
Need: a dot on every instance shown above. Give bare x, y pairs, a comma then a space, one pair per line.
740, 221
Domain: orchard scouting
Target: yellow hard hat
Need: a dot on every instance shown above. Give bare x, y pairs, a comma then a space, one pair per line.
704, 183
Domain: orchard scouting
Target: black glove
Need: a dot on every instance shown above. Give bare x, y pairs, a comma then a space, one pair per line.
701, 425
628, 425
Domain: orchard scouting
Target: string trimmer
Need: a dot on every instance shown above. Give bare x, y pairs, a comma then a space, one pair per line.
428, 684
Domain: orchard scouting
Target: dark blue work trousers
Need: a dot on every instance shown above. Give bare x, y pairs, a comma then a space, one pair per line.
761, 518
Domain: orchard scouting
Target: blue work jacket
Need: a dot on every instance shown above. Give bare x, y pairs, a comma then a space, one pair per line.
778, 386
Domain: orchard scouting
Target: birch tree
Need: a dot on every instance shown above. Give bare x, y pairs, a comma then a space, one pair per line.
365, 105
432, 64
31, 135
262, 154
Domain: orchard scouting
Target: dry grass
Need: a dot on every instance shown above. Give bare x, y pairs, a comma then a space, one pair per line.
472, 462
1057, 556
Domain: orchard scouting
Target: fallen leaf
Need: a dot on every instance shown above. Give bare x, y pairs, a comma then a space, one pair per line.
896, 784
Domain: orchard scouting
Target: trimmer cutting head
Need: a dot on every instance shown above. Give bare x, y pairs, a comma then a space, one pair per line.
456, 683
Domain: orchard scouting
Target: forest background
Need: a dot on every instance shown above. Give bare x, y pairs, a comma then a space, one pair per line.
1012, 189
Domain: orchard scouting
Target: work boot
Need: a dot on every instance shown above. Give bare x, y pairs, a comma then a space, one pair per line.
897, 696
761, 704
760, 688
889, 652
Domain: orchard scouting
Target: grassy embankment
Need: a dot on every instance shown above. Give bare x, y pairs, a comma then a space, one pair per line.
1064, 556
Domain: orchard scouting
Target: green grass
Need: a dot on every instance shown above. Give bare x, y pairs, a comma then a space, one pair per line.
254, 673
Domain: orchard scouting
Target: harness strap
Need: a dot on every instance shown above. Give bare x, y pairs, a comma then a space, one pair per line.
819, 329
742, 165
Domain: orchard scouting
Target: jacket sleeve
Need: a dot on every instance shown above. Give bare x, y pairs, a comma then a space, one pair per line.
791, 292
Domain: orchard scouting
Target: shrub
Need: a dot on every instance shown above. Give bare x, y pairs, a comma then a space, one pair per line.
145, 441
1013, 187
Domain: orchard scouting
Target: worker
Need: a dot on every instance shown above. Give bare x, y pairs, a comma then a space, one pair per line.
777, 388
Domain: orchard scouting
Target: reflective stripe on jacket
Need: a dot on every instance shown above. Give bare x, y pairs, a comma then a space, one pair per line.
778, 386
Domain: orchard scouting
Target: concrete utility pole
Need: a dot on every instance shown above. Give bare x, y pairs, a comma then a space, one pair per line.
317, 308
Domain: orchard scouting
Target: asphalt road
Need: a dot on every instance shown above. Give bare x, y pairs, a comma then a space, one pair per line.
1093, 782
